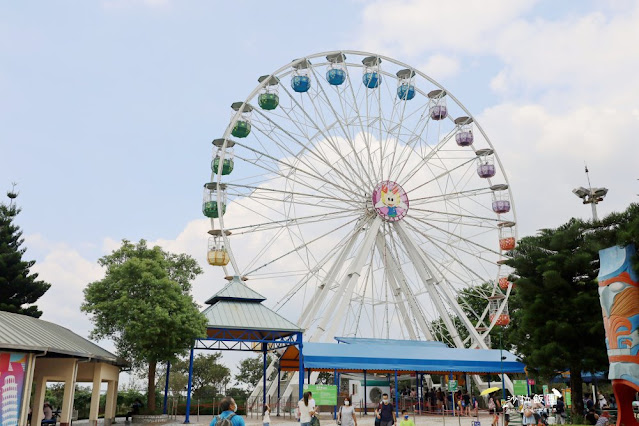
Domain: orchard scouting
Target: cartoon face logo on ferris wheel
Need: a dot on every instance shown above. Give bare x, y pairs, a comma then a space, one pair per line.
390, 201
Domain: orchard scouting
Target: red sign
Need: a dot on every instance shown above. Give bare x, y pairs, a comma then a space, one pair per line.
531, 382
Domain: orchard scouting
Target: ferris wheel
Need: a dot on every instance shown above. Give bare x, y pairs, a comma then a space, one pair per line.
366, 199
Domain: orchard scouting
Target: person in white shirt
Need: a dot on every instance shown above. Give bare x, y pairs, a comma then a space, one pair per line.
305, 411
266, 420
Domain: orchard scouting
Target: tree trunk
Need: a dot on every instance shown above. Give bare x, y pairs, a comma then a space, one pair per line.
150, 389
577, 396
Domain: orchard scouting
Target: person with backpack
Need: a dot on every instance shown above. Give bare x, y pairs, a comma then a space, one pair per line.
385, 412
560, 408
227, 417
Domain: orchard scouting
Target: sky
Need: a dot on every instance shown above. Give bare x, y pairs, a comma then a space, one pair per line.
108, 108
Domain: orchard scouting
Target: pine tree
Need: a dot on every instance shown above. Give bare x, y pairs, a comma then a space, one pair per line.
18, 285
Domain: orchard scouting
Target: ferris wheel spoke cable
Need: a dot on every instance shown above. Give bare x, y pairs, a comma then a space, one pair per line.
363, 131
433, 240
313, 171
329, 140
433, 153
316, 173
344, 246
345, 133
322, 179
302, 246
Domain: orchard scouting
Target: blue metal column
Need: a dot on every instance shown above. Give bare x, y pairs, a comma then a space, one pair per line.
501, 364
452, 395
300, 347
279, 371
365, 407
188, 391
166, 386
396, 396
417, 391
264, 346
337, 389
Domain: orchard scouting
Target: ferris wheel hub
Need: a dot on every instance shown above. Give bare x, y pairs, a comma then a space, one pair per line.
390, 201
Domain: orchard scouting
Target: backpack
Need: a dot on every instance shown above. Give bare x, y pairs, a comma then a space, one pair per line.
226, 421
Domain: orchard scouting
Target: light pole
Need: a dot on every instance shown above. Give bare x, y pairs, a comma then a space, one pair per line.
591, 196
501, 367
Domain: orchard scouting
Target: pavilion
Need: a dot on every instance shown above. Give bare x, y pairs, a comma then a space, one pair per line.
33, 350
238, 321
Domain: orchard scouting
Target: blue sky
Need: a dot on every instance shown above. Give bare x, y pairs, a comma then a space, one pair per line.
108, 108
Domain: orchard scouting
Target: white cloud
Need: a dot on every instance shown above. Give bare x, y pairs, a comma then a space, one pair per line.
440, 66
590, 55
413, 27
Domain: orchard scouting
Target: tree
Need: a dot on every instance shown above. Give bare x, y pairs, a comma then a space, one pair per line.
473, 301
251, 370
144, 304
208, 374
557, 290
18, 285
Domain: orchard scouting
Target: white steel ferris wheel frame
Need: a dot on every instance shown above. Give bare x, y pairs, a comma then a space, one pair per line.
431, 276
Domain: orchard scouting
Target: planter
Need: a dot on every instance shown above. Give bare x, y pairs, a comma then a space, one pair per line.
149, 418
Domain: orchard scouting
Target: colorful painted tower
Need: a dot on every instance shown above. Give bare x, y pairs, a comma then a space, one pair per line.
619, 296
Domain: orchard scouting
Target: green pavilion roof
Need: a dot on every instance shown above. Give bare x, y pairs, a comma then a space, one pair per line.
237, 306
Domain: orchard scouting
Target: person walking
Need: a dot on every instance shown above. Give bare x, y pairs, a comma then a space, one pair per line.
266, 415
304, 410
385, 412
227, 417
560, 409
492, 409
346, 414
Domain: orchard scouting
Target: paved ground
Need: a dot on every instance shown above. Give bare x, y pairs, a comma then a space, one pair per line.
327, 420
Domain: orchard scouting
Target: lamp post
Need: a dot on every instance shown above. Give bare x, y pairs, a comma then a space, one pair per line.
591, 196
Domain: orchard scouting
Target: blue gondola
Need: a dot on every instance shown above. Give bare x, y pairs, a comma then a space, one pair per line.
372, 80
301, 83
406, 92
335, 76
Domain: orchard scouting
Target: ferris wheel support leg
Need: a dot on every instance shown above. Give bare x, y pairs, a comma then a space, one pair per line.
427, 278
311, 310
452, 301
400, 282
348, 284
396, 289
421, 264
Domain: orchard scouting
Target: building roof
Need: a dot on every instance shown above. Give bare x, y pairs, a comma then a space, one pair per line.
28, 334
246, 316
239, 307
236, 290
367, 341
384, 357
